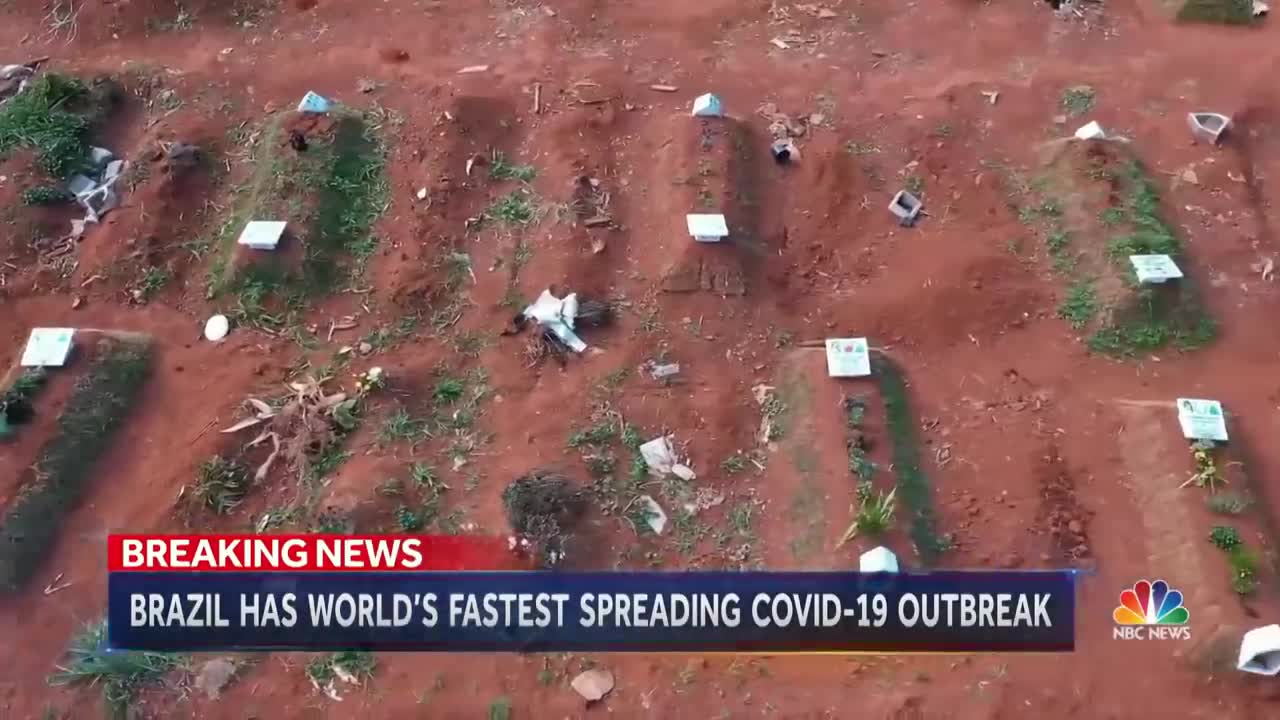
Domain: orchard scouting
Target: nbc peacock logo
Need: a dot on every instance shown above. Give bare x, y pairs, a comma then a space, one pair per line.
1151, 611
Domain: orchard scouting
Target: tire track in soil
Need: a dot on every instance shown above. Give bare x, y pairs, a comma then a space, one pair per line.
1173, 545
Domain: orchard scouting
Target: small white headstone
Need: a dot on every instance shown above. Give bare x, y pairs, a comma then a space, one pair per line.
1154, 268
879, 559
1092, 131
47, 347
314, 103
262, 235
848, 357
1202, 420
1260, 651
707, 228
707, 106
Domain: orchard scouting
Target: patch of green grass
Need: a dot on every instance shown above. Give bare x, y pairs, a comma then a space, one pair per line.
1080, 304
400, 425
45, 195
448, 391
854, 147
98, 405
120, 673
152, 281
912, 487
1221, 12
53, 117
16, 403
356, 663
875, 515
1244, 570
601, 433
500, 709
515, 208
221, 484
1077, 100
1225, 537
1112, 216
734, 464
503, 169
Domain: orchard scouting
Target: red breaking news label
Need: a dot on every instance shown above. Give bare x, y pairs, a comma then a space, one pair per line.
300, 553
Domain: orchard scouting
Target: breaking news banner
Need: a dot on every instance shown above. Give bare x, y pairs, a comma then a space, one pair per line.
387, 593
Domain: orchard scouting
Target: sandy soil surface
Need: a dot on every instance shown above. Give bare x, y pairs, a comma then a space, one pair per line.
1040, 453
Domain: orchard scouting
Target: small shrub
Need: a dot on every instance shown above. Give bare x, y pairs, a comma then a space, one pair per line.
120, 673
1226, 538
221, 484
45, 195
876, 514
43, 118
448, 391
409, 520
733, 464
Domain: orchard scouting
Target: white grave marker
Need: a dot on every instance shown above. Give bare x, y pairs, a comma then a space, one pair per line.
848, 357
47, 347
1202, 420
707, 228
314, 102
1154, 268
262, 235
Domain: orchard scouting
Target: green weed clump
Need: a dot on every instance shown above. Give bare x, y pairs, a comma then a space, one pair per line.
52, 118
120, 673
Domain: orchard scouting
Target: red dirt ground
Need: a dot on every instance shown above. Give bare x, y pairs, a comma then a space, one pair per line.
1040, 437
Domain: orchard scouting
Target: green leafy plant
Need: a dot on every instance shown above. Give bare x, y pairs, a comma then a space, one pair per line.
221, 484
874, 517
1077, 100
1226, 538
409, 520
733, 464
503, 169
120, 673
45, 195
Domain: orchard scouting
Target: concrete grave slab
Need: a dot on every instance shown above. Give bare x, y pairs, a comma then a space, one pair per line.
707, 227
708, 105
262, 234
315, 103
1154, 268
47, 347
